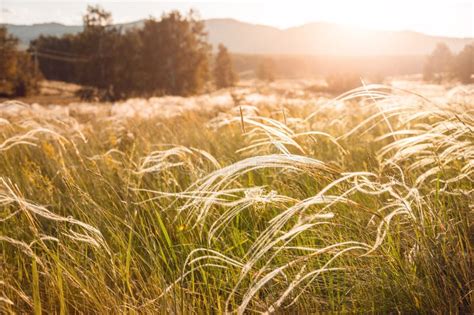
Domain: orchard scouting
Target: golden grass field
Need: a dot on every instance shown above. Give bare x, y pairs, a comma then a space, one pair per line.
262, 198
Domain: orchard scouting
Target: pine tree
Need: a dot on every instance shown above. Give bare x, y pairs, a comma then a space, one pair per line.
224, 75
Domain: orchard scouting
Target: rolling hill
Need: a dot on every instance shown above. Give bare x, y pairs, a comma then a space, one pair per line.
309, 39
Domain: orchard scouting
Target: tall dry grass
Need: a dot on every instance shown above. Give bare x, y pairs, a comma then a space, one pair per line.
285, 204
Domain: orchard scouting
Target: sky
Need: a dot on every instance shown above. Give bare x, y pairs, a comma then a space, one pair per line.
453, 18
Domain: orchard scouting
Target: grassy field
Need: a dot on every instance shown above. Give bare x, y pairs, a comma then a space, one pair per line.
267, 199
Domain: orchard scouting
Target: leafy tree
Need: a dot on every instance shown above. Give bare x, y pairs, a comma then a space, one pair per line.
464, 64
126, 75
175, 54
224, 75
27, 77
439, 63
97, 42
266, 70
8, 60
96, 17
18, 76
57, 57
82, 58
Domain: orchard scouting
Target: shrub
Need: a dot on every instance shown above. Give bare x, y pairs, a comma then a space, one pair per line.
340, 82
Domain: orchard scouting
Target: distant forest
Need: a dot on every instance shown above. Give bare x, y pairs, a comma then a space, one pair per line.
308, 66
166, 56
172, 56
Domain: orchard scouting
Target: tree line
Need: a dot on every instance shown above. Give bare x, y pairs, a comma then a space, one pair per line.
167, 56
442, 64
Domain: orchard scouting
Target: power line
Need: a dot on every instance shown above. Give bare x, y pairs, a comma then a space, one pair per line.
60, 58
58, 52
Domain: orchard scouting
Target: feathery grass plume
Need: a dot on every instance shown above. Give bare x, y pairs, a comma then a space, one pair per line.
402, 200
224, 177
158, 161
28, 138
362, 204
9, 194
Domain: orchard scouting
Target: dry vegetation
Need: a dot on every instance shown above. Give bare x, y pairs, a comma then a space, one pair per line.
259, 200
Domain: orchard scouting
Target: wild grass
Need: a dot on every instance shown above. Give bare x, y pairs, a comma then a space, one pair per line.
359, 204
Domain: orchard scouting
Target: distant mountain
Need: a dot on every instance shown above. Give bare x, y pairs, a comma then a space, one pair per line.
323, 39
308, 39
27, 33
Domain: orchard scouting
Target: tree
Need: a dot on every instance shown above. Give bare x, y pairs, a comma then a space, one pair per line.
96, 57
224, 75
439, 64
8, 60
97, 44
464, 64
86, 58
126, 76
57, 57
96, 17
266, 70
175, 54
18, 75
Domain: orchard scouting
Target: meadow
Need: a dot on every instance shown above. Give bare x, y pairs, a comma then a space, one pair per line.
257, 199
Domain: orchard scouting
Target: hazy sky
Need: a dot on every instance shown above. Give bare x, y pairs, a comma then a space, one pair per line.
436, 17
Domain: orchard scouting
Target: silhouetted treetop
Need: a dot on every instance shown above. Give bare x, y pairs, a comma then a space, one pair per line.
96, 16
